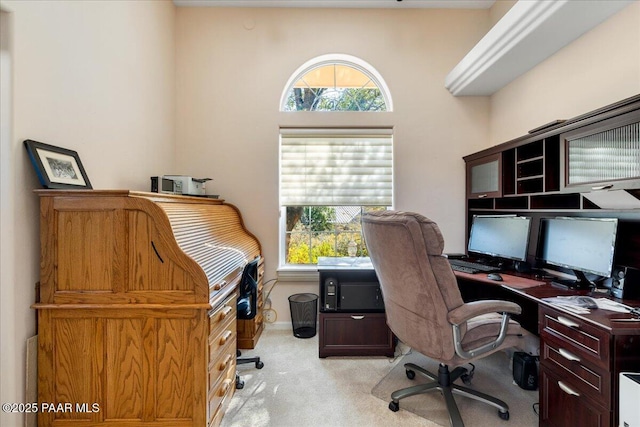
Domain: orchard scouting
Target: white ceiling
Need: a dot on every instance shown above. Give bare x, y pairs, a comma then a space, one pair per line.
374, 4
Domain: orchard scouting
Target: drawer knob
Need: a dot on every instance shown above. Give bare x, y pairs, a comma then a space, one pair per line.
354, 317
567, 389
568, 322
567, 355
225, 312
225, 363
219, 286
225, 337
224, 388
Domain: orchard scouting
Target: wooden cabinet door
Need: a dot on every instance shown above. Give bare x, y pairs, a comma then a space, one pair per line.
125, 366
562, 406
355, 334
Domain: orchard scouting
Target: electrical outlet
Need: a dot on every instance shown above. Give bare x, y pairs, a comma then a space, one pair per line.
270, 315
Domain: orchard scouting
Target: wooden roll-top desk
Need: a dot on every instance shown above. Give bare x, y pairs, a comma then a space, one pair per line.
137, 307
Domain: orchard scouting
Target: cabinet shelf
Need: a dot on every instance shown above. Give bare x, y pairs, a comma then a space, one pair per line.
529, 178
533, 159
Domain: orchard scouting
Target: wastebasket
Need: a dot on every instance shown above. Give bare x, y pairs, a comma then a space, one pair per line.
304, 310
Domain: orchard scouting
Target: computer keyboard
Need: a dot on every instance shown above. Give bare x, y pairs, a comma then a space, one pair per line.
471, 267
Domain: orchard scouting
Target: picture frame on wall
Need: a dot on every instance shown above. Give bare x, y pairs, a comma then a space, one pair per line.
57, 167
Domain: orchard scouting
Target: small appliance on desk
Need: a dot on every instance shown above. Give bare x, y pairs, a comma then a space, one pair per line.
179, 184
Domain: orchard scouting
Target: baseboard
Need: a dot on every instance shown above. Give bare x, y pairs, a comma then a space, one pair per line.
280, 326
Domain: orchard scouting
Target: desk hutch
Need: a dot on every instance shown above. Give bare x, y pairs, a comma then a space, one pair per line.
585, 166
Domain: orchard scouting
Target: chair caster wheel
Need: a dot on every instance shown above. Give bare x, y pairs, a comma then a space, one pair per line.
410, 374
259, 365
239, 384
394, 406
504, 415
466, 379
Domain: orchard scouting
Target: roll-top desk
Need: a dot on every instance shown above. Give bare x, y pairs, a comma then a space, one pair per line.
137, 307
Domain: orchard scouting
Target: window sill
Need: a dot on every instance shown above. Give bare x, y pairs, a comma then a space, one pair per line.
298, 274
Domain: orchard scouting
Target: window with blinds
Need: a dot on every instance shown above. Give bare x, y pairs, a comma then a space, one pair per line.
334, 167
328, 179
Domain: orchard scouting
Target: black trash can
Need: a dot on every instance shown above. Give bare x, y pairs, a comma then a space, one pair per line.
304, 312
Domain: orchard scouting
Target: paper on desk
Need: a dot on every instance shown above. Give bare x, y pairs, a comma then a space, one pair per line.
573, 308
607, 304
573, 304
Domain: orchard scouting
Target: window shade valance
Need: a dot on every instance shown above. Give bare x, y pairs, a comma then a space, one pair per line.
338, 167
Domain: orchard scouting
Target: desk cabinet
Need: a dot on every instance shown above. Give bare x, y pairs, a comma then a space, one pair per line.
352, 318
579, 368
250, 330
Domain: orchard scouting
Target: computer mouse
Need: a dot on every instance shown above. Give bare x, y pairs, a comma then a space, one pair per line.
494, 276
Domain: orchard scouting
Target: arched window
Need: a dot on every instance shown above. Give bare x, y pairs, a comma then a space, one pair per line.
330, 176
336, 83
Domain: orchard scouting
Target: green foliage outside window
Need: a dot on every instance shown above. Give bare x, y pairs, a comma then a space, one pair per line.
325, 231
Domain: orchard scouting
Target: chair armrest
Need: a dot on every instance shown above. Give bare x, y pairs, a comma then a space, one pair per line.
473, 309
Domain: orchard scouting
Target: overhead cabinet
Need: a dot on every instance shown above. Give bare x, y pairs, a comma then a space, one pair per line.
562, 167
484, 177
604, 155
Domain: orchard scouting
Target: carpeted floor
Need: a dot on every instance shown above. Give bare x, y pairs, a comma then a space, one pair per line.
296, 387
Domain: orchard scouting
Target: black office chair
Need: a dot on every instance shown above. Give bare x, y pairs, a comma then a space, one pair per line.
247, 308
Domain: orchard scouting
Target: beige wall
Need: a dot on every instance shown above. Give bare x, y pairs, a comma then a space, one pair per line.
96, 77
233, 64
599, 68
499, 8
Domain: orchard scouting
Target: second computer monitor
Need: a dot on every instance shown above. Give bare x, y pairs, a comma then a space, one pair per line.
581, 244
500, 236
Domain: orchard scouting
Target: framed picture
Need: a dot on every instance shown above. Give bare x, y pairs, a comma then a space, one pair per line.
57, 167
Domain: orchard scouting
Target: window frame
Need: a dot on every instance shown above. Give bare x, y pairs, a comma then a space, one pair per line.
337, 59
306, 119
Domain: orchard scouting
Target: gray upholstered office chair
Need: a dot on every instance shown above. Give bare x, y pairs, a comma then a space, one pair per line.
424, 308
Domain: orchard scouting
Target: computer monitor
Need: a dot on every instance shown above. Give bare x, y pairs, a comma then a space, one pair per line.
502, 236
584, 245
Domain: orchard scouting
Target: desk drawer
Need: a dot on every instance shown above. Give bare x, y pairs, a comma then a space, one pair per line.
355, 334
562, 406
588, 380
222, 313
587, 342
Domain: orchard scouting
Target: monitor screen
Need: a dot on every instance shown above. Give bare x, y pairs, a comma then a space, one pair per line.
500, 236
583, 244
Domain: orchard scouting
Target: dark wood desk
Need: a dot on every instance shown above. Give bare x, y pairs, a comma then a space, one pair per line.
581, 355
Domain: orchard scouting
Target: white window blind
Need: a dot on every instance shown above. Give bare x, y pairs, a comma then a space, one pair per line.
336, 167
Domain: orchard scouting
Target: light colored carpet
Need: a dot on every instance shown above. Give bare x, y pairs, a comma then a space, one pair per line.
492, 376
296, 388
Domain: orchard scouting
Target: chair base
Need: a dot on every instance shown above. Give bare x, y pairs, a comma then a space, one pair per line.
444, 383
243, 361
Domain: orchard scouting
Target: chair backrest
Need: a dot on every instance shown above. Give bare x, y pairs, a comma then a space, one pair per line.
418, 285
248, 290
